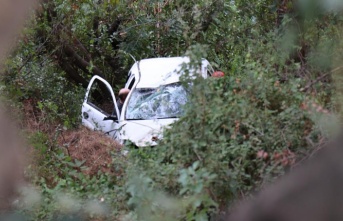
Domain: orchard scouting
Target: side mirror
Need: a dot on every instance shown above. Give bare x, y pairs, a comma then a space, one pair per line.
111, 117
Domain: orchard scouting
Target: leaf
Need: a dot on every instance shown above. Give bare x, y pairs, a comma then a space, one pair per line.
195, 165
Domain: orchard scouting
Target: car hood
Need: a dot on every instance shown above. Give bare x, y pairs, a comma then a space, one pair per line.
144, 132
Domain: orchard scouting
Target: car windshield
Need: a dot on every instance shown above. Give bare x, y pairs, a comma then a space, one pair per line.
165, 101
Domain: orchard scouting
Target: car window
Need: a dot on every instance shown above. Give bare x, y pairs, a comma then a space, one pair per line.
166, 101
100, 97
131, 83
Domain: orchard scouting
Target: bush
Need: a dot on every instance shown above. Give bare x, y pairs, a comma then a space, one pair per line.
237, 134
47, 89
66, 184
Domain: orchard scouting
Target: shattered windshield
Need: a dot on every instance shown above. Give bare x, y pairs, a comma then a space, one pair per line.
165, 101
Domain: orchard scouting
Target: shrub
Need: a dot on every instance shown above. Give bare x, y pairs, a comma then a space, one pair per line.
237, 134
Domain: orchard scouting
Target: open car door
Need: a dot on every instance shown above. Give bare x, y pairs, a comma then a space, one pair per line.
99, 108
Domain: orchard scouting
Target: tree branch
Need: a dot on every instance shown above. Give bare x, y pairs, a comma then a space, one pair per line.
112, 29
72, 73
80, 62
319, 79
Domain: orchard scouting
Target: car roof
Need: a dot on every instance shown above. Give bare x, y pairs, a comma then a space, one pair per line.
160, 71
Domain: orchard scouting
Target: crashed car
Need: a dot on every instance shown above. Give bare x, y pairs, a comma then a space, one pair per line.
155, 100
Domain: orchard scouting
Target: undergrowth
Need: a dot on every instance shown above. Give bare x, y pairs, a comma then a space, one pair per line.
276, 104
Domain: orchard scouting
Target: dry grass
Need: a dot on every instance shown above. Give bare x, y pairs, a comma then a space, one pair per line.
90, 146
80, 144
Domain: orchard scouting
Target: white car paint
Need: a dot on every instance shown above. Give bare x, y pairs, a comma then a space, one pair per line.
149, 74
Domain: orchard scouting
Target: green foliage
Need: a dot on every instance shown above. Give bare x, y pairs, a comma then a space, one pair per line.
57, 99
62, 191
238, 133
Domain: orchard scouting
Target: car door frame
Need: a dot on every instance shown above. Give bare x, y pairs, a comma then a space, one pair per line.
87, 108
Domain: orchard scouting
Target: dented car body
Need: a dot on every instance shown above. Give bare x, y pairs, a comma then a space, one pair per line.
155, 100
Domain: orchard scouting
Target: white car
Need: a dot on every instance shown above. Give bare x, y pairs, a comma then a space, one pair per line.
155, 100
